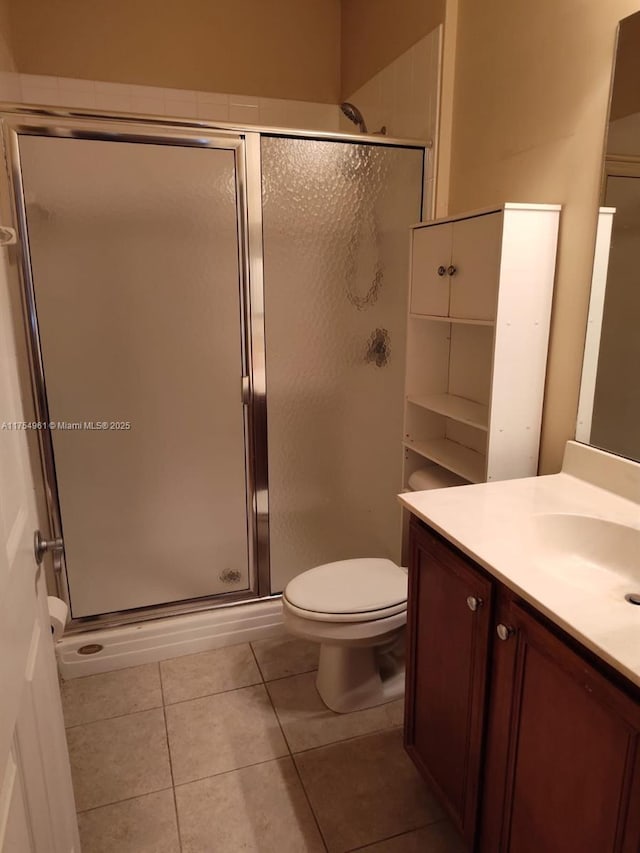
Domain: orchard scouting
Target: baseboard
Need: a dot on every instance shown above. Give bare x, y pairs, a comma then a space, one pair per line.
158, 639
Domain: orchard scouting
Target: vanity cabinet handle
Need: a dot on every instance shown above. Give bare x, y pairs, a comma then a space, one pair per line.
442, 271
474, 603
505, 631
451, 270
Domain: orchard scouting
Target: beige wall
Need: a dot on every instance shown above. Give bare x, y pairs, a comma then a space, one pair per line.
7, 62
279, 48
530, 106
375, 32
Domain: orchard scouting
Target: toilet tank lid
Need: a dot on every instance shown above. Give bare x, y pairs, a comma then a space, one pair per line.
349, 586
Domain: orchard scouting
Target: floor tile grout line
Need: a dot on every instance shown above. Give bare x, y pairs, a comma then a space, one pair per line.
231, 770
293, 762
346, 740
308, 799
123, 800
173, 781
116, 717
255, 657
291, 675
397, 835
79, 678
273, 708
216, 693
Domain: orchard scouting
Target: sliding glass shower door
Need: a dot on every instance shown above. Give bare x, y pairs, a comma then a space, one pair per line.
137, 269
336, 219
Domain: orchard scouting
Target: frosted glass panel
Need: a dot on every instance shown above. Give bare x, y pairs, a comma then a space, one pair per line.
336, 243
134, 253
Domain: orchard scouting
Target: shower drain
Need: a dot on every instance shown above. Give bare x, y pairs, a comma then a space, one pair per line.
90, 649
633, 597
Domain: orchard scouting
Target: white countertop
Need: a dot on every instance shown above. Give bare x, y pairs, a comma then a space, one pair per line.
496, 525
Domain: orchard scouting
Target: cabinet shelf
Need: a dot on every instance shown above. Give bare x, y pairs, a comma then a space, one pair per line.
456, 457
468, 321
456, 408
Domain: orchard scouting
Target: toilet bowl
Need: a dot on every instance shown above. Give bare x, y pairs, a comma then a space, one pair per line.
357, 611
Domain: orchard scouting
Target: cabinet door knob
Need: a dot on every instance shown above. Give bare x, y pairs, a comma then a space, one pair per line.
505, 631
442, 271
451, 270
474, 603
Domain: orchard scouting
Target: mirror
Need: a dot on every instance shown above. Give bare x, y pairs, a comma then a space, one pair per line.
609, 411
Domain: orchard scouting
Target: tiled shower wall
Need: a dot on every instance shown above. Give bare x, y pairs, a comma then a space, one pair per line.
404, 97
177, 103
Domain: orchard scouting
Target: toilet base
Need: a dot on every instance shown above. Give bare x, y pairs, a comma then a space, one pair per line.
351, 678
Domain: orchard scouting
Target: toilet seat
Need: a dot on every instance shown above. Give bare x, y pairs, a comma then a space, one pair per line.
357, 590
362, 616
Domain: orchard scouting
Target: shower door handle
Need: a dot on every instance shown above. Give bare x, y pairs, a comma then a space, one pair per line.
246, 391
43, 546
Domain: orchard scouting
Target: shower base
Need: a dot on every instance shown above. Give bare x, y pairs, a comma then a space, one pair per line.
157, 639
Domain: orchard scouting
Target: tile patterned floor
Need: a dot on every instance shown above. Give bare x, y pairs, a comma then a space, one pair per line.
232, 750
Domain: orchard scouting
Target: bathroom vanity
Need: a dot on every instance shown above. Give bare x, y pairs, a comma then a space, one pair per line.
523, 670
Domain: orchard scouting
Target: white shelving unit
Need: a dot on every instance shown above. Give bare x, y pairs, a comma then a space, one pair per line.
478, 332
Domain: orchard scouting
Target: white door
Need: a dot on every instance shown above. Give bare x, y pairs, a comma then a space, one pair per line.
37, 812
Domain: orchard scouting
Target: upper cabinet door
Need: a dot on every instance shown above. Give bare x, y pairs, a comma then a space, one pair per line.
475, 266
430, 261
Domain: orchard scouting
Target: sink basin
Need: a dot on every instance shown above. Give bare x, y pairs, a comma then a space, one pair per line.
585, 548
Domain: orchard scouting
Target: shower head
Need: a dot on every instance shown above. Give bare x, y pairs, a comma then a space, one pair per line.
354, 115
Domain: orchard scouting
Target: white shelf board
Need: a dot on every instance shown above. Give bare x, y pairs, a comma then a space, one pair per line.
456, 408
433, 476
469, 321
461, 460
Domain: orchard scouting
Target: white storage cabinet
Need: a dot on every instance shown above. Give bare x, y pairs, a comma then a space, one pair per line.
478, 330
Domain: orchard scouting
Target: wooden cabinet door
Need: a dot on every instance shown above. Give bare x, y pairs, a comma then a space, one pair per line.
563, 751
431, 250
446, 672
477, 244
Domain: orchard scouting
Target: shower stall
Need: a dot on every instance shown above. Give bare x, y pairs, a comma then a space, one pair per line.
215, 319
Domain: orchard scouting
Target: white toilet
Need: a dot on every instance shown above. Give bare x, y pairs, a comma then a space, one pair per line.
357, 611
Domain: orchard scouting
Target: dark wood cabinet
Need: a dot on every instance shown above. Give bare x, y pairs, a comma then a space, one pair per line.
563, 748
449, 621
531, 742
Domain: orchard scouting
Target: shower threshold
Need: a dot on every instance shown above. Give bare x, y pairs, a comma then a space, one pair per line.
135, 643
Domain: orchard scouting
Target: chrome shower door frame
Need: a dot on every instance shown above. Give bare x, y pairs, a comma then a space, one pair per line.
246, 149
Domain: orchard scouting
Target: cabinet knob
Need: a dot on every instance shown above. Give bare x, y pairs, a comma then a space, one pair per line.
474, 603
451, 270
505, 631
442, 271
